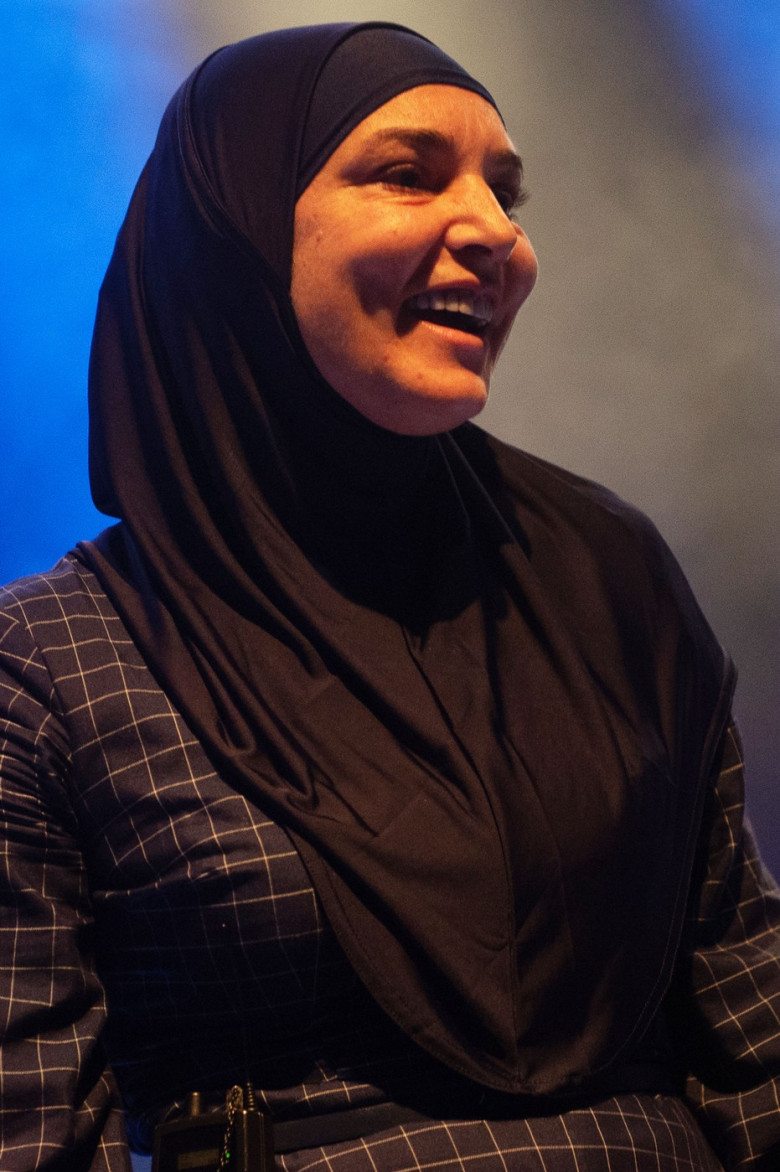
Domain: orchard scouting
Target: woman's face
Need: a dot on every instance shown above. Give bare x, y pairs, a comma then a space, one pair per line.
408, 268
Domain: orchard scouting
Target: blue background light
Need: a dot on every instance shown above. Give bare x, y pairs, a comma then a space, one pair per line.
80, 99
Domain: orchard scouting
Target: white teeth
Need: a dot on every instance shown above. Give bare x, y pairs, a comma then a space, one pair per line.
474, 305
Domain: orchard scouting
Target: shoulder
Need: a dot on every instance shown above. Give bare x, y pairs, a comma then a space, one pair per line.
600, 559
572, 527
56, 628
527, 485
37, 597
34, 611
72, 681
50, 604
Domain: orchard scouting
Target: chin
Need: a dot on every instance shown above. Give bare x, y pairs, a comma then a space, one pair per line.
430, 415
394, 401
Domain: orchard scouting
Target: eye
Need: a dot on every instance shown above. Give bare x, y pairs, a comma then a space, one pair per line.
510, 198
408, 176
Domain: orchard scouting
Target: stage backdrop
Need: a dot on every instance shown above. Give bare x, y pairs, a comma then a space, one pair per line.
648, 356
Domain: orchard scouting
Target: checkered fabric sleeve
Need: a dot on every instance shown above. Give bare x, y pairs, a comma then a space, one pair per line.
59, 1107
725, 1005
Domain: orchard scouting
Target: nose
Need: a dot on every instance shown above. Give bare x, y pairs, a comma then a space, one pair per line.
479, 222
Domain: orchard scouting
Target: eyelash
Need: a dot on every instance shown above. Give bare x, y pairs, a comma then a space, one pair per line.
394, 177
508, 199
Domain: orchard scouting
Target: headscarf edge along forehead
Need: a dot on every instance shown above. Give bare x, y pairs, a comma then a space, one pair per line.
362, 66
364, 70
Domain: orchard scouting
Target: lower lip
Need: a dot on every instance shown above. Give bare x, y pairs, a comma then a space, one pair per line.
455, 337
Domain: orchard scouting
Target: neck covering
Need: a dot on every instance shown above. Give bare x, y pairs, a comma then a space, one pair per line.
474, 689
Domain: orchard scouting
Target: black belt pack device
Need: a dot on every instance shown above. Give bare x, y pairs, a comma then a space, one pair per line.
236, 1139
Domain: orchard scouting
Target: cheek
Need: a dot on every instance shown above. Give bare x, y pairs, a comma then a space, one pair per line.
520, 280
351, 274
524, 270
379, 275
389, 257
305, 276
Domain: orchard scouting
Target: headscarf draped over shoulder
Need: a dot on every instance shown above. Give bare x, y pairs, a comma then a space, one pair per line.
475, 689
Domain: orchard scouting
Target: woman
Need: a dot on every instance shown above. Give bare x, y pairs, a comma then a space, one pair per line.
367, 758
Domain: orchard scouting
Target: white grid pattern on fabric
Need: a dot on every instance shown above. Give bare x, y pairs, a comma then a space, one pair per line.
150, 911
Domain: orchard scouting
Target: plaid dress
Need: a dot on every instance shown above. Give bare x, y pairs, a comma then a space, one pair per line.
158, 933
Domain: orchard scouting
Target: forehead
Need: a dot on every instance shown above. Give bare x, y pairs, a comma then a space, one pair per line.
465, 117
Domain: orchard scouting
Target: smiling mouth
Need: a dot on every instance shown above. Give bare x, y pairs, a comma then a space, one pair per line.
458, 309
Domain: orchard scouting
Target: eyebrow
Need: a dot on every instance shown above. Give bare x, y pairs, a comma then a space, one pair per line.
424, 139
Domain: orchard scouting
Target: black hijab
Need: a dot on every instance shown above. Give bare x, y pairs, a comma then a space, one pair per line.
475, 689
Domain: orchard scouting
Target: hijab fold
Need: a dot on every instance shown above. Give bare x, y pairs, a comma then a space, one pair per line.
475, 689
